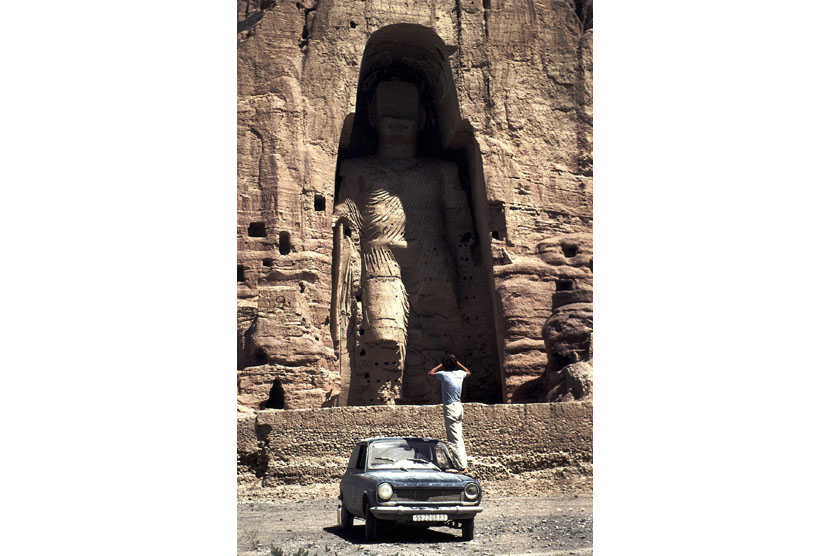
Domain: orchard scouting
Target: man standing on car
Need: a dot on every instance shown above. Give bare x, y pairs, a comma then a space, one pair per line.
451, 376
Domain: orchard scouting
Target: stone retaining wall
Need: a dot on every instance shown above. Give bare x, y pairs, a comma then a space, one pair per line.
311, 446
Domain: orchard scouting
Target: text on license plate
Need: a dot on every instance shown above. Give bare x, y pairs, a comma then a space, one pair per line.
429, 517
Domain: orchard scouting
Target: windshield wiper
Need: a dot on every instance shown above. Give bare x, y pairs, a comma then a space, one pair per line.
419, 460
384, 459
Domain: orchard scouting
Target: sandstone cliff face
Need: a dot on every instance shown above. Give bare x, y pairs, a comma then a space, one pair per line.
523, 76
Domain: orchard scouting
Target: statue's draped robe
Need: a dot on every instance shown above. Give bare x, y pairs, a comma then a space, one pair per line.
399, 225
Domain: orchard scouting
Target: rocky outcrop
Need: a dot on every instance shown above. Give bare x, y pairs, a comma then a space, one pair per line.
568, 332
577, 383
522, 73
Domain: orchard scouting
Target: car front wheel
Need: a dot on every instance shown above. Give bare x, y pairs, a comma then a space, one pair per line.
346, 518
371, 524
468, 528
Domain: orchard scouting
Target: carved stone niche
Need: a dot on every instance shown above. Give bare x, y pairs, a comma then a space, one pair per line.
411, 272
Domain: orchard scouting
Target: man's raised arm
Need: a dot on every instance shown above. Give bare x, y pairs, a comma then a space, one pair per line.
431, 373
463, 368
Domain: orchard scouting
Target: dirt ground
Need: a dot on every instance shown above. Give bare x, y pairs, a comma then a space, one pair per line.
553, 524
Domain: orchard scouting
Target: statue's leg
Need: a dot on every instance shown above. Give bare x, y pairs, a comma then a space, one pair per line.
421, 356
383, 340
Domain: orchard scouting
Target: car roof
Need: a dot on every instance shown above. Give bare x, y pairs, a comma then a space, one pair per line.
375, 438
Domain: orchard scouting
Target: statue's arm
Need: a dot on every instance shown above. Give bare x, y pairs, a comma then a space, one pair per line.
345, 258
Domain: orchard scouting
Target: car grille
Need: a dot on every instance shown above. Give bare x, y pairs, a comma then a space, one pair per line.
427, 495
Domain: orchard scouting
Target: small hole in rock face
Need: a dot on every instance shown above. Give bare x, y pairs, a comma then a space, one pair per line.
361, 331
319, 203
256, 229
267, 262
352, 24
564, 285
376, 363
276, 397
363, 352
591, 265
357, 298
240, 273
260, 358
302, 287
347, 231
466, 237
366, 375
560, 361
495, 234
569, 250
285, 243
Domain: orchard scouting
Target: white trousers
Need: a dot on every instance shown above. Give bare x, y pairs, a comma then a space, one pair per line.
453, 415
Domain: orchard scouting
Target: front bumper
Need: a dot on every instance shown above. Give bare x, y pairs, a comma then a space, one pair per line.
456, 512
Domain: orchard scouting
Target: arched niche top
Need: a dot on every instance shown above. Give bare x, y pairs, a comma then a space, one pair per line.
416, 53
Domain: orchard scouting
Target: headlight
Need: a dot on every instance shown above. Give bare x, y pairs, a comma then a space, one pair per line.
471, 491
385, 491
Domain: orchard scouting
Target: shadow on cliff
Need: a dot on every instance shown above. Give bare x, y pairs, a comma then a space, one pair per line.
398, 534
529, 392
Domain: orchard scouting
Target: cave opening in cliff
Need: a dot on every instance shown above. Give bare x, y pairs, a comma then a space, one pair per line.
564, 285
569, 250
559, 361
447, 307
319, 203
276, 397
256, 229
240, 273
260, 357
285, 243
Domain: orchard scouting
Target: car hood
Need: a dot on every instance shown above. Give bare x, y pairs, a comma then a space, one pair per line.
419, 478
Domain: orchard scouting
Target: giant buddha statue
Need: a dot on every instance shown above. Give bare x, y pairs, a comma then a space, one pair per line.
401, 222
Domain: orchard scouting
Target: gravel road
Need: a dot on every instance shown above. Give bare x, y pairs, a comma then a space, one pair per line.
559, 524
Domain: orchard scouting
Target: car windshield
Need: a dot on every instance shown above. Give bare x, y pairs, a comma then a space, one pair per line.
407, 454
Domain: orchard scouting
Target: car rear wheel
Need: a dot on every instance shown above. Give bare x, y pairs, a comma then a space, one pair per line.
346, 518
468, 527
371, 524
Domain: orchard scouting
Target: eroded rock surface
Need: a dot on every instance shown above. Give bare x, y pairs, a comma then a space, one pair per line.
522, 75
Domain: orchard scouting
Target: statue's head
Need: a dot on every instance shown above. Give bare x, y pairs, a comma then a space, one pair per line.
395, 113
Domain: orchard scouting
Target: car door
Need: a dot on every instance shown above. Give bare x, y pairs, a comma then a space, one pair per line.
352, 494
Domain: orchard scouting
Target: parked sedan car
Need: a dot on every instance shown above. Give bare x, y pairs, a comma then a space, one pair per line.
406, 480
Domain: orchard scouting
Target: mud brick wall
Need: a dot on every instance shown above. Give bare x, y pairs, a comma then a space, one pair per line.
307, 446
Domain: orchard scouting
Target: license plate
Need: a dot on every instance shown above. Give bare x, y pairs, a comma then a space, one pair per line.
429, 517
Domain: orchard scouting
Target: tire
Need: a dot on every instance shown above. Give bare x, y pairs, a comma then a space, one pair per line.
346, 518
468, 528
372, 525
